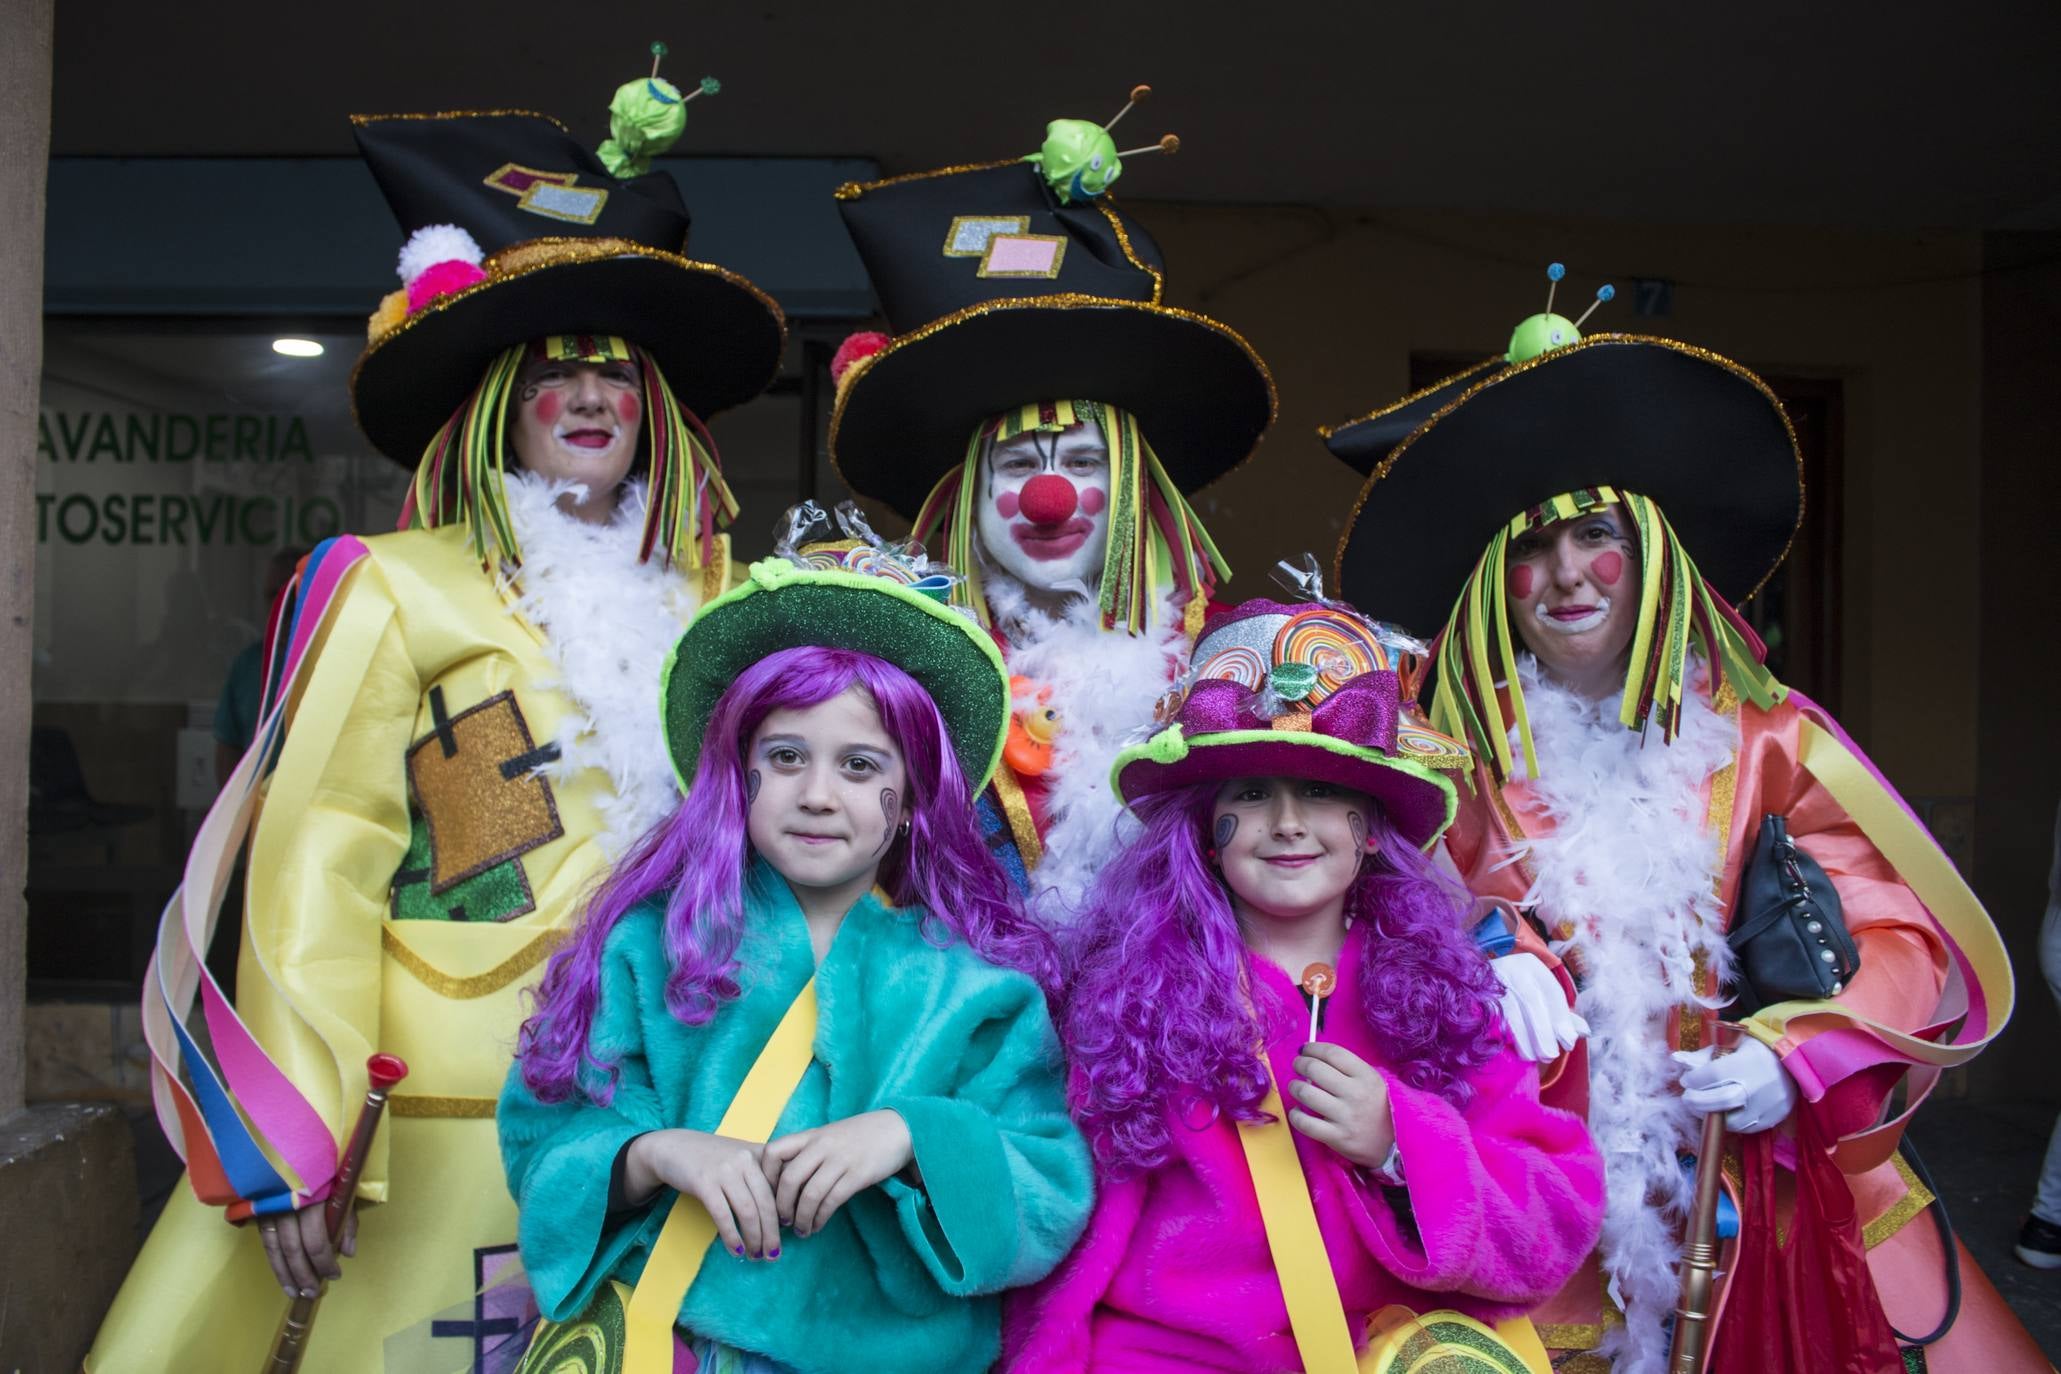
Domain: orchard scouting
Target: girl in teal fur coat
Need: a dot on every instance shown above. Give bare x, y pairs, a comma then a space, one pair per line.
926, 1161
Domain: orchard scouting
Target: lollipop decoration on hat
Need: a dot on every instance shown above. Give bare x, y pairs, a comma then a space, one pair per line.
1079, 158
1306, 691
646, 118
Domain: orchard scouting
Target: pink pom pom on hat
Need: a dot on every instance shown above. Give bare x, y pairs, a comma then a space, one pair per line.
442, 279
853, 350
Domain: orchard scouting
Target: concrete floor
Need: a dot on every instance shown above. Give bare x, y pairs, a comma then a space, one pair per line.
1986, 1162
1984, 1159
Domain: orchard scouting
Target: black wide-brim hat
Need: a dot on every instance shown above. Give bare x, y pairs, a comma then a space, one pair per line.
999, 296
1700, 435
605, 256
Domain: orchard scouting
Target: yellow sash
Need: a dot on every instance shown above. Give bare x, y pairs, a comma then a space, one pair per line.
684, 1240
1401, 1340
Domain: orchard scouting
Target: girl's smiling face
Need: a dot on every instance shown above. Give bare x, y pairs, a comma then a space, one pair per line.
577, 422
1289, 848
1573, 595
826, 792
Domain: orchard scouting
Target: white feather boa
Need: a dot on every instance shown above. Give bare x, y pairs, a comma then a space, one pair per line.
1104, 684
1628, 856
608, 622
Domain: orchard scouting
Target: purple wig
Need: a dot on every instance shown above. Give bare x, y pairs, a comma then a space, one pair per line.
696, 858
1156, 1027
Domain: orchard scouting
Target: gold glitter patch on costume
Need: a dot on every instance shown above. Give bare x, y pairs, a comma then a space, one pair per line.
969, 235
1724, 790
473, 779
419, 1105
479, 984
1917, 1197
1016, 810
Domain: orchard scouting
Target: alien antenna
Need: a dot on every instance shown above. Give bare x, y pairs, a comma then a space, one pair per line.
1168, 143
1603, 293
1139, 95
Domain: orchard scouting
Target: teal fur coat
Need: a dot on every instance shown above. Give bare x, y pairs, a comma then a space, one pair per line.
900, 1278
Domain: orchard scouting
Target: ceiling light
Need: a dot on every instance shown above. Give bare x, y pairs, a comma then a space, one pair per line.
297, 348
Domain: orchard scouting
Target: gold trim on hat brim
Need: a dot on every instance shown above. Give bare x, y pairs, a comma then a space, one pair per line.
361, 119
1387, 464
1326, 431
1057, 301
521, 260
852, 190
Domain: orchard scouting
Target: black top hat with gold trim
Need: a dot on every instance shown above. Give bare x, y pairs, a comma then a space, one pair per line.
1699, 434
516, 230
1008, 283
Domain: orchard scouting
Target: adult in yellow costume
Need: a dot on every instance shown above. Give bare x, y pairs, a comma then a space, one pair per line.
470, 734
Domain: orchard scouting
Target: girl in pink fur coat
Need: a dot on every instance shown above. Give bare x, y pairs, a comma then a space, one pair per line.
1282, 840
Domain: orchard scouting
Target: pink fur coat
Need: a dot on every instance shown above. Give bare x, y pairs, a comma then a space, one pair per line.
1502, 1201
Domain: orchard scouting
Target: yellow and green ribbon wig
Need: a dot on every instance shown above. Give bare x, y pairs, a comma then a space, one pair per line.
459, 480
1678, 612
1157, 545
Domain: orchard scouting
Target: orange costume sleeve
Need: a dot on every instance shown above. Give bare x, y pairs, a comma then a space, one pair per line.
1904, 961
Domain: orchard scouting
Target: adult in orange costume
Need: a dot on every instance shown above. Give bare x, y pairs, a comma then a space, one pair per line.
1629, 742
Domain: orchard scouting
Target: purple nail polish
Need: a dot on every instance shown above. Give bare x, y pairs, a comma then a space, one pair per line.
775, 1254
739, 1249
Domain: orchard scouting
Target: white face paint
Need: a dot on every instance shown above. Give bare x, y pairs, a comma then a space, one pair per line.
1044, 508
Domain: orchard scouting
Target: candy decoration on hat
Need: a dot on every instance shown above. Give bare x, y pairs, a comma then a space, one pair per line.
1319, 980
1079, 158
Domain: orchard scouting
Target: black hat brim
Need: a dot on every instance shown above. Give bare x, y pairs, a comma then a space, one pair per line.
1699, 434
903, 419
1363, 442
715, 336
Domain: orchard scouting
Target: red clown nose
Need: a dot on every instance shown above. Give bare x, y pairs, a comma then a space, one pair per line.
1048, 499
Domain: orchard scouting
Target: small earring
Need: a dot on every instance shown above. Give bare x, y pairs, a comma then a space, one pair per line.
1210, 853
903, 829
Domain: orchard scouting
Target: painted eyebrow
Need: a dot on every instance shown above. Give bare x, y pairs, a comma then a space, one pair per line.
782, 741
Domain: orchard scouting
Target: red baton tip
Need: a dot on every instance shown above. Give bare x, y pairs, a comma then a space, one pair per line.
385, 1070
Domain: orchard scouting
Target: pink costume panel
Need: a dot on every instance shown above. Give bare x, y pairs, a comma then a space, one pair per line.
1503, 1200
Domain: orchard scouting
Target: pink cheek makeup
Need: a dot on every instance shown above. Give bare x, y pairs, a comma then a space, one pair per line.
1093, 499
1007, 504
629, 406
549, 406
1608, 567
1521, 581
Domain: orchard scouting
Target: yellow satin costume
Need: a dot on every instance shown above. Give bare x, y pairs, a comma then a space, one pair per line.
404, 890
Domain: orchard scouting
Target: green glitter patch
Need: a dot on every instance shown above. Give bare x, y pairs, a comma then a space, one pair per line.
591, 1343
501, 893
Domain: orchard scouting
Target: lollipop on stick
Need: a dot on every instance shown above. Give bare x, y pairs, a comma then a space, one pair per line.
1318, 980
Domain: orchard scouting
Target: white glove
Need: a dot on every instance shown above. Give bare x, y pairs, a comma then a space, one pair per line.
1749, 1086
1542, 1025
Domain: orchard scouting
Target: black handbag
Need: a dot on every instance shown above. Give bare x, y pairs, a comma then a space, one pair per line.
1788, 937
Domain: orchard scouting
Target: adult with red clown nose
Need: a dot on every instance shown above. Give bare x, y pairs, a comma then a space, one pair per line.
1041, 418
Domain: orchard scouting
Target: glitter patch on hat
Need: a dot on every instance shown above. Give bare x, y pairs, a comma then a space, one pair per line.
1023, 255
